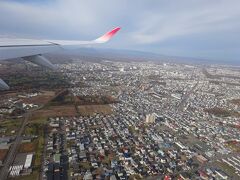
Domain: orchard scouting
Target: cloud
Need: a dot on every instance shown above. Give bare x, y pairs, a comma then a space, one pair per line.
58, 17
146, 24
189, 18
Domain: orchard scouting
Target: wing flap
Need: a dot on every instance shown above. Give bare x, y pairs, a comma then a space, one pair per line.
3, 85
40, 60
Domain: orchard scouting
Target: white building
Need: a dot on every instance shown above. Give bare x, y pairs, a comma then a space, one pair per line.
150, 118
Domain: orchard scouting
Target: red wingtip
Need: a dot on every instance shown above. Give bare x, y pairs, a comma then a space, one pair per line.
106, 37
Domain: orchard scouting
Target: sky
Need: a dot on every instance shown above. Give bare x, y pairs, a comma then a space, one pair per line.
208, 29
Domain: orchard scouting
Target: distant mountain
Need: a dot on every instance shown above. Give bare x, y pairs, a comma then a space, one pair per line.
112, 54
99, 54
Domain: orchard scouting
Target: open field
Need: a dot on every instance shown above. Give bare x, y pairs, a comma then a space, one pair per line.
234, 146
38, 152
33, 176
219, 76
9, 127
27, 147
54, 111
3, 153
220, 112
87, 110
41, 99
235, 101
34, 127
228, 169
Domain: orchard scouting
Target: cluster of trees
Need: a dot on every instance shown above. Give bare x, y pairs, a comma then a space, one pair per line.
95, 100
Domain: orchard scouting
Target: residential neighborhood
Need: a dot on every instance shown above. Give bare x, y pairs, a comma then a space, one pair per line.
129, 120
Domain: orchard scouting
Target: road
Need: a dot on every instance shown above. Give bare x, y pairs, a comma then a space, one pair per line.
186, 96
13, 149
41, 174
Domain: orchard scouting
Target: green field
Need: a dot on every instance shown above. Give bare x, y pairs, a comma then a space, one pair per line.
8, 126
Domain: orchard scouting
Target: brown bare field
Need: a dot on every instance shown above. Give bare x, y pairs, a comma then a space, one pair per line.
86, 110
27, 147
3, 153
235, 101
220, 112
8, 94
41, 99
54, 111
234, 145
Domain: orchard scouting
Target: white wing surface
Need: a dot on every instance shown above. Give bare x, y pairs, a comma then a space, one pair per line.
15, 48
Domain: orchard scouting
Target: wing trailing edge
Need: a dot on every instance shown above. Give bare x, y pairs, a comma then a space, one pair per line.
41, 61
3, 85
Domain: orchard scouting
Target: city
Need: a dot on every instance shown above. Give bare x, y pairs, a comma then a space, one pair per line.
123, 120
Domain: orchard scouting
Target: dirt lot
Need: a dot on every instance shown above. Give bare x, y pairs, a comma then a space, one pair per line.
54, 111
27, 147
41, 99
86, 110
3, 153
220, 112
235, 101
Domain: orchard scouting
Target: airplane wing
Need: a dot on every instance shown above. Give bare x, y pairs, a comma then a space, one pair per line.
15, 48
32, 50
